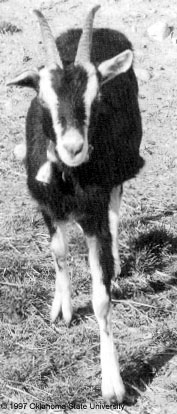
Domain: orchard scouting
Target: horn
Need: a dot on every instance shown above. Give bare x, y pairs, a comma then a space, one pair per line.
52, 54
85, 42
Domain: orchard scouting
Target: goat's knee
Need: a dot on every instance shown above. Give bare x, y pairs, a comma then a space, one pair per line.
101, 305
62, 297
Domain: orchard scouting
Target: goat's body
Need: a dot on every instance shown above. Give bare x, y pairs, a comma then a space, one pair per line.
115, 134
82, 105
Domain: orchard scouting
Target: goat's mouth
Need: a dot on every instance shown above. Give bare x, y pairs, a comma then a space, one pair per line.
57, 154
73, 157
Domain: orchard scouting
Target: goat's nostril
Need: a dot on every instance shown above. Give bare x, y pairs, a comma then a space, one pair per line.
78, 150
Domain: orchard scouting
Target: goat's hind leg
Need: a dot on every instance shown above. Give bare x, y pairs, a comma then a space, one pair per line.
62, 297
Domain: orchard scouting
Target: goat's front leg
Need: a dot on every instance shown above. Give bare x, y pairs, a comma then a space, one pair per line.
102, 267
62, 297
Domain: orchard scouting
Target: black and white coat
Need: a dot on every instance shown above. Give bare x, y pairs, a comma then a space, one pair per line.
88, 108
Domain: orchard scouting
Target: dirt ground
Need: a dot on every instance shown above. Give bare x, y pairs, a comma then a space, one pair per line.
39, 365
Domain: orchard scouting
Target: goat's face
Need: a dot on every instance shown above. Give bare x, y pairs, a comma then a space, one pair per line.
68, 95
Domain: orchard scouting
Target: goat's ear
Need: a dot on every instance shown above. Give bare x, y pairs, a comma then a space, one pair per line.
111, 68
29, 78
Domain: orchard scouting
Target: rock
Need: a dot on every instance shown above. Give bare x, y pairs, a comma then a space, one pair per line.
159, 30
174, 40
142, 74
20, 152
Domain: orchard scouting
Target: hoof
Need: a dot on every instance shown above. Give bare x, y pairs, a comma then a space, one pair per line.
63, 306
113, 390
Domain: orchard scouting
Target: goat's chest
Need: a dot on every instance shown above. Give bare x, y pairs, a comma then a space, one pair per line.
67, 199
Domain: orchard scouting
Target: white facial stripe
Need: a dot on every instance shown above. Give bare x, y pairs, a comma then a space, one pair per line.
92, 89
48, 95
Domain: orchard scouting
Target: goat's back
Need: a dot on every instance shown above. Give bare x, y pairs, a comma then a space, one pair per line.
106, 43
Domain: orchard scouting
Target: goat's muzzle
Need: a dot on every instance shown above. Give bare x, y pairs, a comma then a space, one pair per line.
72, 148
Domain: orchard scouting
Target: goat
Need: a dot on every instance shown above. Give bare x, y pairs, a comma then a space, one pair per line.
83, 129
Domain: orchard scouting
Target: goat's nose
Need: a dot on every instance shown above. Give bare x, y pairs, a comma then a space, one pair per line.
74, 150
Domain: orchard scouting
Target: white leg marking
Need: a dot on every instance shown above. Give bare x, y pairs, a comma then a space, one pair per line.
114, 207
112, 385
62, 297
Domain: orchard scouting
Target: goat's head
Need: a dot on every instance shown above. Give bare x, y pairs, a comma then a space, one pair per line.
69, 92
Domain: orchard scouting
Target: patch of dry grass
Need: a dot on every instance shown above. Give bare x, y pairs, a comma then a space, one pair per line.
39, 362
6, 27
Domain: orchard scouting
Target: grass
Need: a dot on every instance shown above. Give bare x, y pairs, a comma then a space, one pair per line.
42, 363
6, 27
47, 364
